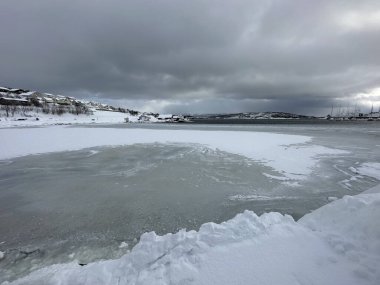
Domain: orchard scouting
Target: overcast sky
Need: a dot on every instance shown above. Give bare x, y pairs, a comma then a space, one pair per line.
196, 56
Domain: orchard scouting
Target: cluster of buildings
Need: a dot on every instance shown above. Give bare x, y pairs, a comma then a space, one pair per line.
58, 104
165, 118
21, 97
33, 98
371, 116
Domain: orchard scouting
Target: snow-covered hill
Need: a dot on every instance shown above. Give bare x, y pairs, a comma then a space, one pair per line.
19, 107
252, 116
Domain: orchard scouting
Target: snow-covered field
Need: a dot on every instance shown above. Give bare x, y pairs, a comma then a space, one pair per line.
98, 117
290, 155
336, 244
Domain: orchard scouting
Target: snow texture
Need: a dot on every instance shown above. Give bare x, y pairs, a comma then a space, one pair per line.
371, 169
292, 156
99, 117
336, 244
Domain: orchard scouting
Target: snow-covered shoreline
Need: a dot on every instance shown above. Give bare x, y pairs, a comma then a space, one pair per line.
40, 119
338, 243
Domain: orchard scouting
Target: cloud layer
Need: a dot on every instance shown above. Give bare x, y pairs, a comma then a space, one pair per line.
196, 56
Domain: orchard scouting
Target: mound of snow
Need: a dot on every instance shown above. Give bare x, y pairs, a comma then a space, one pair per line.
336, 244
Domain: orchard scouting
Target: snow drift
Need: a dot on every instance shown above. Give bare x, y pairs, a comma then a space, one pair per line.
336, 244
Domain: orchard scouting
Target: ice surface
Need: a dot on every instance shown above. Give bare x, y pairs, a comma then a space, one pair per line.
253, 197
291, 155
336, 244
130, 188
371, 169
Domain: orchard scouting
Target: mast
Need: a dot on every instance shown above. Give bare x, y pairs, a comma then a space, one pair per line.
370, 114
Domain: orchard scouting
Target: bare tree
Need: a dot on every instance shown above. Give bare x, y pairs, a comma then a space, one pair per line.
7, 109
24, 110
61, 110
53, 110
46, 108
13, 110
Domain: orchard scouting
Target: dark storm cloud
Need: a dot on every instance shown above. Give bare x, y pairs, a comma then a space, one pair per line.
209, 56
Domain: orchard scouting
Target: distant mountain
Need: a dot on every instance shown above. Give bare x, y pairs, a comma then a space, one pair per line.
251, 116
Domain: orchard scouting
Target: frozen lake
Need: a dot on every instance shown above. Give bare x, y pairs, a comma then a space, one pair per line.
85, 204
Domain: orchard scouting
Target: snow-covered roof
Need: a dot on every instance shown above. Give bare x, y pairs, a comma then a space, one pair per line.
30, 93
164, 116
15, 99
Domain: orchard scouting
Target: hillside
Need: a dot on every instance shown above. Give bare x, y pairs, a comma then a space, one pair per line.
20, 107
252, 116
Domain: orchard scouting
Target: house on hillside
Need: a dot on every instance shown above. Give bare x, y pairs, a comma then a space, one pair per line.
164, 117
27, 95
62, 100
14, 101
144, 118
4, 89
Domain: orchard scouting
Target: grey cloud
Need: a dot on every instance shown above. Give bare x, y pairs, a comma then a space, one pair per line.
196, 55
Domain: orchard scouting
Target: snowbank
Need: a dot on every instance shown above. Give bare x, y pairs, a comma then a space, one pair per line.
336, 244
290, 155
